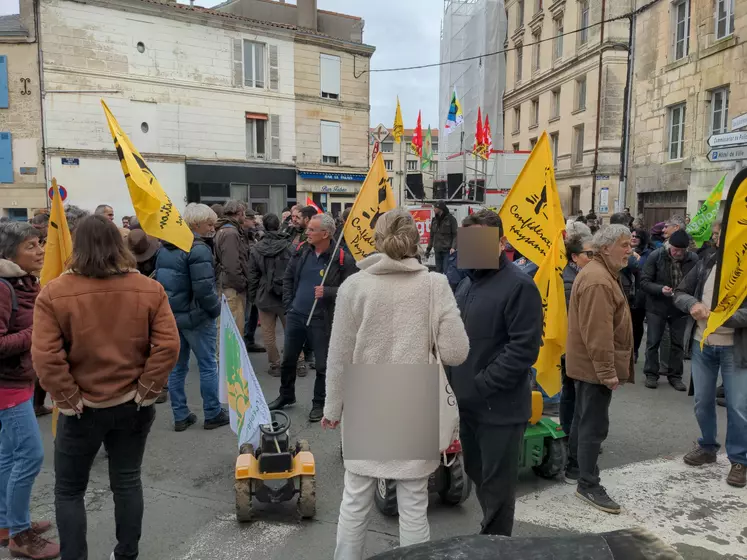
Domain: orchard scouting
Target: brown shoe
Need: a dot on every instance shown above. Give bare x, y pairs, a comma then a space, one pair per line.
301, 370
737, 475
30, 545
39, 527
42, 410
274, 370
163, 396
699, 457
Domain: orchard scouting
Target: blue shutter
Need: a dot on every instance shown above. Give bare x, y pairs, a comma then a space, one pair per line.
6, 158
3, 82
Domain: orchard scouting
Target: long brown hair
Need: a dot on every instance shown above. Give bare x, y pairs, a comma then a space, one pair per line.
99, 250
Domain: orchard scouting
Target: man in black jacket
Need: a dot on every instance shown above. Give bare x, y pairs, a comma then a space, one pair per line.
502, 313
443, 236
664, 270
301, 286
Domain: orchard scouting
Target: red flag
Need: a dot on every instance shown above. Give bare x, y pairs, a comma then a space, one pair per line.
478, 148
487, 138
310, 202
416, 144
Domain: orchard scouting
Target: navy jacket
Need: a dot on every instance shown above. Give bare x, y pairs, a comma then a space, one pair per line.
502, 314
189, 281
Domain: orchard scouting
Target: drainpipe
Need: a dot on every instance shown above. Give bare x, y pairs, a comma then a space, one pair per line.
627, 111
40, 61
599, 111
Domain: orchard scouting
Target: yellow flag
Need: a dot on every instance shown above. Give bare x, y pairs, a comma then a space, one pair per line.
374, 199
731, 274
59, 245
531, 214
549, 280
155, 211
399, 129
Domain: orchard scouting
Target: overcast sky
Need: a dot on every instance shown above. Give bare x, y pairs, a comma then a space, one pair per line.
405, 33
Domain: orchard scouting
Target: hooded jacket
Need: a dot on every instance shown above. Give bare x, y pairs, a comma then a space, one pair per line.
16, 369
443, 230
189, 282
502, 314
390, 292
232, 256
657, 274
569, 277
268, 257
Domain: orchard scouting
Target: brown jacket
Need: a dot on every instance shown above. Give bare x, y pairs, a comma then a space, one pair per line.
600, 328
103, 342
232, 256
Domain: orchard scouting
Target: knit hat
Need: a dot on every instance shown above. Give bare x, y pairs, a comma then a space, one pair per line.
679, 239
658, 228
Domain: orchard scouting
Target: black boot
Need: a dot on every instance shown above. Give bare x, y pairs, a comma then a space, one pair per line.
280, 403
652, 381
677, 383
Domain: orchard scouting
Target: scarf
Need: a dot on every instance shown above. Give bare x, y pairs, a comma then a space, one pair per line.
574, 266
675, 270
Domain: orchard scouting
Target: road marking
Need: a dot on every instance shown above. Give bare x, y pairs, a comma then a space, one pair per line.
678, 503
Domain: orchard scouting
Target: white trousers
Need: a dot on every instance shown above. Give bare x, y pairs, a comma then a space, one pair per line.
357, 499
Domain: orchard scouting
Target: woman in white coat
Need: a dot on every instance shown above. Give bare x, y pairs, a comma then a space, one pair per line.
382, 317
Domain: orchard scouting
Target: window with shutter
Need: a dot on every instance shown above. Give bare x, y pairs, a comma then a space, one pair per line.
330, 136
329, 67
6, 158
275, 137
3, 81
238, 63
254, 64
256, 136
274, 67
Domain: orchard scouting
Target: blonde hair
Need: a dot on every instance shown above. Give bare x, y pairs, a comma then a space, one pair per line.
396, 235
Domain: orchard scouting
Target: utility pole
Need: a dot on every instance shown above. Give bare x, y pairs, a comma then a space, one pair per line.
622, 193
599, 110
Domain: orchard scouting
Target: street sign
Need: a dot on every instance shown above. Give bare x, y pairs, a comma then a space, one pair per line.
604, 201
63, 192
728, 139
739, 122
380, 133
728, 154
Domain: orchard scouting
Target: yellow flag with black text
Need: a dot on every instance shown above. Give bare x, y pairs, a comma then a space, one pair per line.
531, 214
157, 214
374, 199
549, 280
398, 130
59, 244
730, 288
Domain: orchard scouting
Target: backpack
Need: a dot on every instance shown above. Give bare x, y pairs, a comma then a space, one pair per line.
275, 267
13, 301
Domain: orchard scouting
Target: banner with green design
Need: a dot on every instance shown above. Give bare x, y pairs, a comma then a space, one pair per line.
700, 225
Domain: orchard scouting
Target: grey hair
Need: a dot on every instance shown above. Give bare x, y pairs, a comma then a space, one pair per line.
677, 220
233, 207
101, 208
12, 234
609, 235
196, 214
327, 223
73, 215
578, 228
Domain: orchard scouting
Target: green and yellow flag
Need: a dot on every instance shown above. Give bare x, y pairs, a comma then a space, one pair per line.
700, 226
157, 214
731, 273
374, 199
427, 150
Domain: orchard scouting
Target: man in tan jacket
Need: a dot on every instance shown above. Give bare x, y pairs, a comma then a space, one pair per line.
599, 357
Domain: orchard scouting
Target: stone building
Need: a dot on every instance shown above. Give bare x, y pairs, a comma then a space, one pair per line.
214, 99
688, 76
22, 178
559, 59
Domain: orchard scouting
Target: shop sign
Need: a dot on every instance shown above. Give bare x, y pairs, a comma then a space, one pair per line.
355, 177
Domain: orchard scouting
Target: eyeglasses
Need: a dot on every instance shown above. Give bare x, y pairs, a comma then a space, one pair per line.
589, 254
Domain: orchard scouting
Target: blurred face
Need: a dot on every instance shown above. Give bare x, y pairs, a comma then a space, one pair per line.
314, 232
677, 253
285, 215
635, 241
619, 253
30, 255
583, 258
250, 222
438, 211
125, 222
109, 213
205, 229
296, 218
669, 229
715, 232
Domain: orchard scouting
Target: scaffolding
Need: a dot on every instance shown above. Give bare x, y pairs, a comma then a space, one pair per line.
471, 28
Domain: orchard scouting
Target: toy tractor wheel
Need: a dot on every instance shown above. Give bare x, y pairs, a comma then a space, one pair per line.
246, 449
244, 506
307, 496
386, 496
554, 459
302, 445
460, 485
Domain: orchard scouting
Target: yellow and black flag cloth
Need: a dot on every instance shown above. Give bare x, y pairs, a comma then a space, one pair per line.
157, 214
730, 288
374, 199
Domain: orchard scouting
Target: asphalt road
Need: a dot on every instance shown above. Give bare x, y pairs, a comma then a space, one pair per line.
188, 480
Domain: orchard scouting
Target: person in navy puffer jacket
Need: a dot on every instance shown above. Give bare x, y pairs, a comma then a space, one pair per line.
189, 281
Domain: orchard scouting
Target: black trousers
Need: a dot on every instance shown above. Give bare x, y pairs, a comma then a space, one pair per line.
639, 316
491, 460
442, 259
123, 430
250, 325
591, 423
40, 395
296, 334
567, 399
656, 325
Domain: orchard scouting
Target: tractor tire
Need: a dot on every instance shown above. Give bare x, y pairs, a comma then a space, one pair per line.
385, 496
460, 485
246, 449
554, 459
307, 496
244, 505
302, 445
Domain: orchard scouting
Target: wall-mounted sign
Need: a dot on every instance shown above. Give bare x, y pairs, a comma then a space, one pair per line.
604, 201
358, 178
337, 189
28, 170
63, 192
70, 161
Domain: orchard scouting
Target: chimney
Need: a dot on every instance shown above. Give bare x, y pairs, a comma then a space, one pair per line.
307, 14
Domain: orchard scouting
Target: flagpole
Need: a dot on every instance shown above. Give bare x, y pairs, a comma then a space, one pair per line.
329, 264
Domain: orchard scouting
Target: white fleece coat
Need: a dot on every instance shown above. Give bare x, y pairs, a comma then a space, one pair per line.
381, 317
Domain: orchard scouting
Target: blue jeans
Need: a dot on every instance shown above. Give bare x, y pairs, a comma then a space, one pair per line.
705, 368
21, 456
201, 341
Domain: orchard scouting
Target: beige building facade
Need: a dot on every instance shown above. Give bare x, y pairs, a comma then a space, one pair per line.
556, 51
689, 73
22, 176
